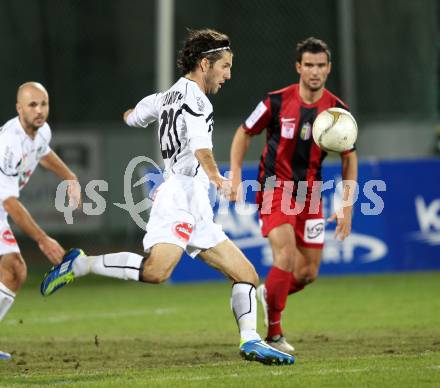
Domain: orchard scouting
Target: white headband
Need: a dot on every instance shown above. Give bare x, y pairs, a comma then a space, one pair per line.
215, 50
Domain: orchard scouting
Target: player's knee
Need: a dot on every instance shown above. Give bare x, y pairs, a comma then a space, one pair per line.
253, 277
313, 273
247, 275
307, 276
310, 279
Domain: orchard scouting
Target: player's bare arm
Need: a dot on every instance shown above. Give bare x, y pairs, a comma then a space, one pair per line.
207, 161
53, 162
349, 177
239, 147
209, 165
51, 248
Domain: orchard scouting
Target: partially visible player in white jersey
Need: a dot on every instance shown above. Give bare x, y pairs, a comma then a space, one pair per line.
24, 144
181, 217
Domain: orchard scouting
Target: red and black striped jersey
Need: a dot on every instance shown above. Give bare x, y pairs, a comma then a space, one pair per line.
290, 153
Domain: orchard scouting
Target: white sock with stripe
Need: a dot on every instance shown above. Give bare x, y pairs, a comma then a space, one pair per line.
122, 265
244, 307
7, 297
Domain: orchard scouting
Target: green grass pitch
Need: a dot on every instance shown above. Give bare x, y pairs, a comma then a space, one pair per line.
366, 331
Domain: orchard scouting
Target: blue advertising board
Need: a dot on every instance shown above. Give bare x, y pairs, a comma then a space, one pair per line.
396, 222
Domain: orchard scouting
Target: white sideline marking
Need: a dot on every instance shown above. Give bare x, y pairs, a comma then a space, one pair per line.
88, 316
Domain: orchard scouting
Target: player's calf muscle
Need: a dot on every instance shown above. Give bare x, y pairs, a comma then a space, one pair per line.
156, 277
13, 271
158, 266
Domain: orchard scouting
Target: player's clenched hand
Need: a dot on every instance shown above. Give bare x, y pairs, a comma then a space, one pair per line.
226, 188
74, 193
126, 113
224, 185
51, 249
343, 219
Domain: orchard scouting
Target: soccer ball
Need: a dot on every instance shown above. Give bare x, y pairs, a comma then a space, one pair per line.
335, 130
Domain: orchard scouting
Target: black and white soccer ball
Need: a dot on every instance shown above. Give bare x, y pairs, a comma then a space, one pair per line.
335, 130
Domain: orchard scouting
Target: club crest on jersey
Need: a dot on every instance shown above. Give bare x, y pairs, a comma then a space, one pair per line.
306, 131
8, 237
200, 104
183, 231
287, 128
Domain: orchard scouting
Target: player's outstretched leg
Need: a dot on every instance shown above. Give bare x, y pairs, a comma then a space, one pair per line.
156, 267
61, 274
4, 356
278, 342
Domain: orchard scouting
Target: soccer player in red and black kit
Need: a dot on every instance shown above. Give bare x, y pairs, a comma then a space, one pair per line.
291, 155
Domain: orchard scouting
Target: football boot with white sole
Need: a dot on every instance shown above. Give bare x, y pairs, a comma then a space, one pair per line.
258, 350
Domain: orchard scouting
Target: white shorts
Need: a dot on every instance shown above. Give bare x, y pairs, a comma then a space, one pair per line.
182, 215
8, 244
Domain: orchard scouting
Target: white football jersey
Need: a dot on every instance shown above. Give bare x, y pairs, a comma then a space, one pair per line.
186, 120
19, 156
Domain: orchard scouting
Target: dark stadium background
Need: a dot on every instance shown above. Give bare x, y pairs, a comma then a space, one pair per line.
98, 58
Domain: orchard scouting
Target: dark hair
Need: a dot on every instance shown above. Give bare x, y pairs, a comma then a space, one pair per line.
311, 45
196, 43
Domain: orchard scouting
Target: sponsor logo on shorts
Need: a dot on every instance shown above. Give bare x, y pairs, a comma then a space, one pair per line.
183, 230
8, 237
314, 231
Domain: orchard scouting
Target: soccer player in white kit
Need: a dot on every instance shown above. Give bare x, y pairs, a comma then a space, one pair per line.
181, 217
24, 144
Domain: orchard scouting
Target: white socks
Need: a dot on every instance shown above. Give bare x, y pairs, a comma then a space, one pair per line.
6, 299
122, 265
244, 307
